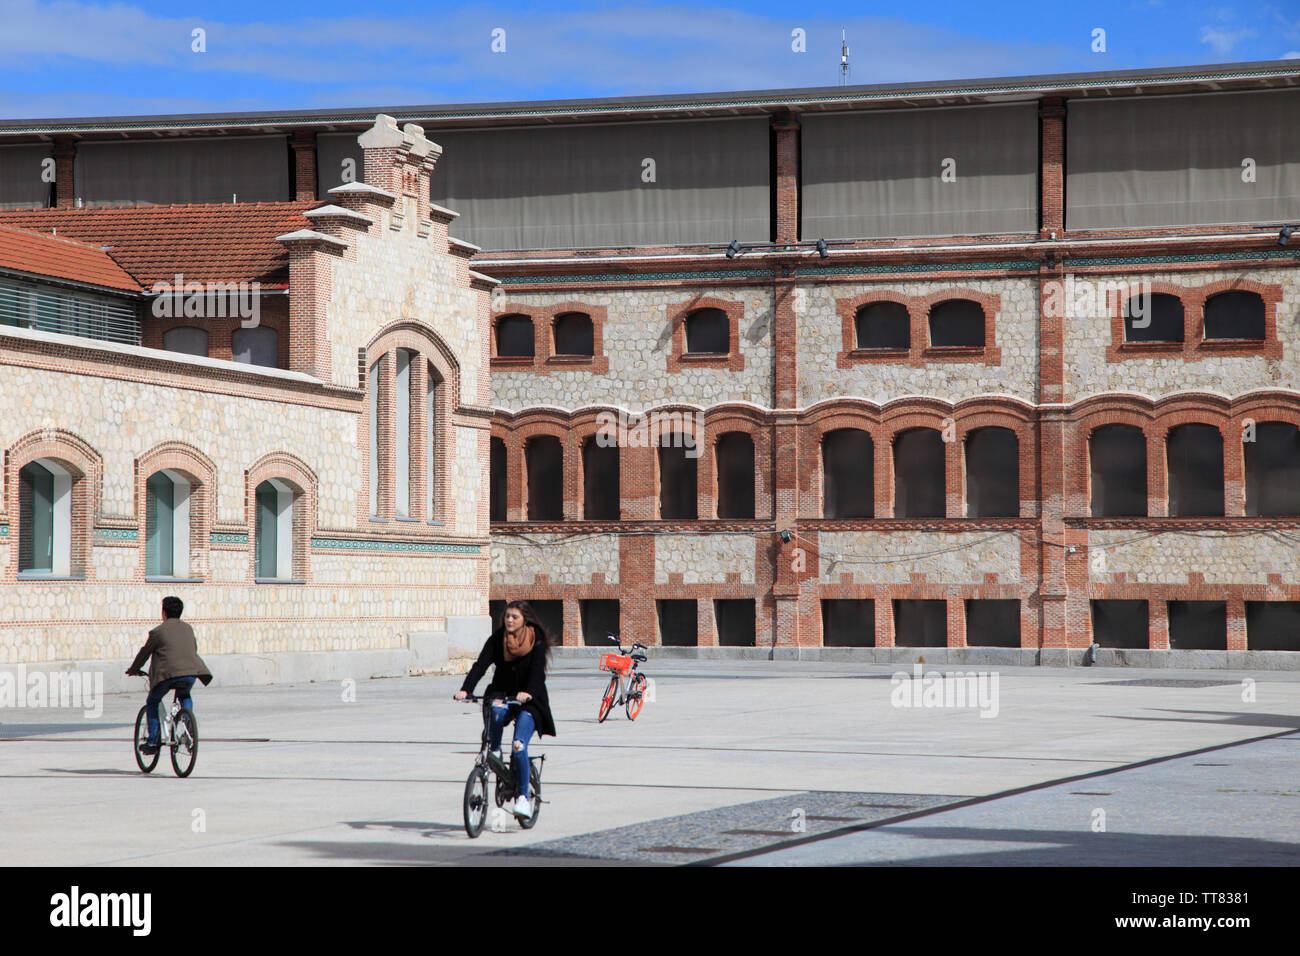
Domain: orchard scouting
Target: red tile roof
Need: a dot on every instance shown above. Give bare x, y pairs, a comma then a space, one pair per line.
60, 258
227, 242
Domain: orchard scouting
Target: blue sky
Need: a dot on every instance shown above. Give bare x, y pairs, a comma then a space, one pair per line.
86, 58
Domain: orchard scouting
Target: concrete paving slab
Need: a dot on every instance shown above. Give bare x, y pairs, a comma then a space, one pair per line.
299, 775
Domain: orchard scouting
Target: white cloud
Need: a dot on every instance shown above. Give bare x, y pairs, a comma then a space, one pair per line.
1223, 41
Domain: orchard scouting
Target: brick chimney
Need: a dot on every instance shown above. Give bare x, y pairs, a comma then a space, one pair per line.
400, 161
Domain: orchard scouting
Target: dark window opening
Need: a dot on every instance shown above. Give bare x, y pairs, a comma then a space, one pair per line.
599, 620
544, 456
920, 623
736, 622
600, 475
708, 331
1195, 456
256, 346
550, 614
883, 325
1118, 457
515, 336
1273, 470
957, 322
497, 480
186, 339
992, 473
919, 487
848, 474
993, 623
678, 623
1234, 315
574, 334
735, 462
677, 479
1154, 318
1273, 625
848, 623
1198, 626
1123, 624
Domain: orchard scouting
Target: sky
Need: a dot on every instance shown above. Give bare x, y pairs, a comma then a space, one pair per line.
73, 58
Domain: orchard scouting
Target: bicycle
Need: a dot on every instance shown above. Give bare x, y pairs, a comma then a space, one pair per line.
178, 730
623, 666
476, 786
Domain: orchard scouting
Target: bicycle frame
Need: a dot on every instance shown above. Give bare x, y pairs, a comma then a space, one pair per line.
505, 771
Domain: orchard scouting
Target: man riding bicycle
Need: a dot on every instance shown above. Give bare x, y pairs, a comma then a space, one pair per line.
176, 665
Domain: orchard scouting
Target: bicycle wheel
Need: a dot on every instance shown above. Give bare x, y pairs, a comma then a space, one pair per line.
534, 795
607, 701
636, 696
476, 801
145, 763
185, 743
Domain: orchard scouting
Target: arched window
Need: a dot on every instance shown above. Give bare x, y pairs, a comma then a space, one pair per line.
1273, 470
1237, 314
186, 339
734, 457
273, 531
992, 473
544, 460
167, 525
1118, 461
45, 519
433, 451
678, 497
708, 331
256, 346
848, 474
919, 485
883, 325
600, 477
402, 434
498, 480
372, 399
1153, 318
1195, 457
957, 322
515, 337
574, 334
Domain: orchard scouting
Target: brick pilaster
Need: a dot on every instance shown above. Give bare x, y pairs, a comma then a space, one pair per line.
786, 130
304, 165
65, 178
1051, 125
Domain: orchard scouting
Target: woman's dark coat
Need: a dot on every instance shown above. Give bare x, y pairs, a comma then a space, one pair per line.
527, 673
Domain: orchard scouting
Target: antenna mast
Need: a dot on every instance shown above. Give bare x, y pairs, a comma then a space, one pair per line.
844, 58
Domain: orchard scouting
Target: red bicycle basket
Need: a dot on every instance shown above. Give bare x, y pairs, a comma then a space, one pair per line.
615, 663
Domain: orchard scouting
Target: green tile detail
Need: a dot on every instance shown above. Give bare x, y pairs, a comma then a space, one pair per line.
1278, 253
638, 276
350, 544
227, 538
4, 531
117, 534
999, 266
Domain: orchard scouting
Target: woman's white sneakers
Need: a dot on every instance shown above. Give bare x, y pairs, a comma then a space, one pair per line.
523, 808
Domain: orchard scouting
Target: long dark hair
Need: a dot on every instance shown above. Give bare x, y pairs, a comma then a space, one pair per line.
531, 620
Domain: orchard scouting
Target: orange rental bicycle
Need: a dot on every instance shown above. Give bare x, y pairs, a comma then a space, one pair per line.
626, 683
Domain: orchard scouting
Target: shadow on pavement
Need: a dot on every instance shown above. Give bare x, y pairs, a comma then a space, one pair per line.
1085, 848
1228, 718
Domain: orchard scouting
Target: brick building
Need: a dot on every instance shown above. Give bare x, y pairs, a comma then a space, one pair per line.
1006, 364
276, 410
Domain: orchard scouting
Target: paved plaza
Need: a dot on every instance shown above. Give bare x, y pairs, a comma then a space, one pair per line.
764, 763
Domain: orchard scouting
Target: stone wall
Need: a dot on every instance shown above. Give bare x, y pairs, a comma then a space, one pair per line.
704, 558
637, 342
1171, 557
1090, 367
897, 557
821, 341
516, 562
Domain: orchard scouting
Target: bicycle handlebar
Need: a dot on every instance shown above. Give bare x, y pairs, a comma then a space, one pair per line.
479, 698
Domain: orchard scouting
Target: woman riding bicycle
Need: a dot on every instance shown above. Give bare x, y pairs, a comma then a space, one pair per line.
520, 651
